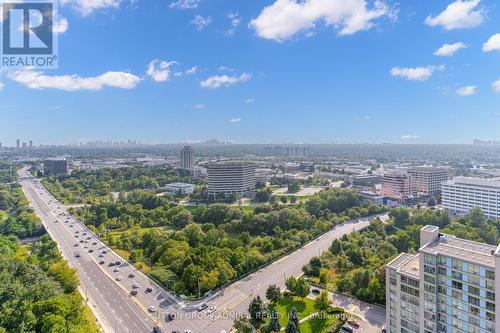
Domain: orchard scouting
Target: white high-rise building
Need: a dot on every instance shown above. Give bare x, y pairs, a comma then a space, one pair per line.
230, 177
462, 194
449, 286
187, 158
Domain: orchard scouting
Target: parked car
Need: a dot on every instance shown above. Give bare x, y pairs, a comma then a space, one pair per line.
202, 307
149, 289
133, 292
152, 308
353, 323
316, 291
347, 328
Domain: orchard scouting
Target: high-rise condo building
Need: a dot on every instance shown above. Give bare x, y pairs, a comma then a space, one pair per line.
230, 177
462, 194
187, 158
449, 286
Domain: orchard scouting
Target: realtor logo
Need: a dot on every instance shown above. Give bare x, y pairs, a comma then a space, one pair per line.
28, 37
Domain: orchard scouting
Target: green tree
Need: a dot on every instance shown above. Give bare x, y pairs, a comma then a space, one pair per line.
302, 288
273, 293
322, 303
291, 284
274, 324
257, 310
293, 325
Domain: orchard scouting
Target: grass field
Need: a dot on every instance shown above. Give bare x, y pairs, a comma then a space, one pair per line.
304, 308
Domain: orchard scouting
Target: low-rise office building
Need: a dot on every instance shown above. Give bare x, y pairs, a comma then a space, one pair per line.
179, 189
449, 286
396, 186
462, 194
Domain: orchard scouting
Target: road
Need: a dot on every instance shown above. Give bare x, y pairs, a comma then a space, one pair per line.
108, 287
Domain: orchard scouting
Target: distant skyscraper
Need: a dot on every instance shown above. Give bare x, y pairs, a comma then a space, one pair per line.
187, 158
18, 143
31, 143
55, 167
24, 145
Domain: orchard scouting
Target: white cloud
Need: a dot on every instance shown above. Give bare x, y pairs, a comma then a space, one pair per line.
185, 4
285, 18
60, 25
416, 73
199, 106
447, 50
201, 22
38, 80
87, 7
249, 100
458, 14
217, 81
362, 118
466, 90
159, 70
192, 70
234, 120
1, 85
496, 85
493, 43
235, 19
409, 137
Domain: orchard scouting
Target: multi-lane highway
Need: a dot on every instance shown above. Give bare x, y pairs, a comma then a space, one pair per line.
109, 288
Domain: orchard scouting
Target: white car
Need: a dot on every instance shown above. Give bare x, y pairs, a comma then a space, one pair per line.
188, 331
152, 308
211, 310
135, 285
118, 278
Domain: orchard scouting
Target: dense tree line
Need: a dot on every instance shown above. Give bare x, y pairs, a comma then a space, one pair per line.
355, 263
16, 217
212, 245
85, 186
38, 290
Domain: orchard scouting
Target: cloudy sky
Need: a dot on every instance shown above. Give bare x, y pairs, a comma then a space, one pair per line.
315, 71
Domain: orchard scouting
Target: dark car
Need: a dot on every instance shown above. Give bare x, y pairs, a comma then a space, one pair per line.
353, 323
170, 316
76, 244
104, 252
94, 243
347, 328
101, 262
133, 292
316, 291
131, 275
156, 329
149, 289
111, 264
90, 251
118, 263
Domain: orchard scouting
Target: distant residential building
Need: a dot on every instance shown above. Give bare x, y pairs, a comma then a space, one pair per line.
230, 177
55, 167
18, 143
179, 189
462, 194
187, 158
365, 179
449, 286
396, 186
306, 167
427, 180
263, 175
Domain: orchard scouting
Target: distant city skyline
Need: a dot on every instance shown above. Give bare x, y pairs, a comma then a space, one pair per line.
263, 71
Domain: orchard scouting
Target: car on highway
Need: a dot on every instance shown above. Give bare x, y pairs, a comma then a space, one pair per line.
76, 236
71, 226
149, 289
118, 263
104, 252
133, 292
211, 310
353, 323
170, 316
77, 255
90, 251
81, 241
347, 328
101, 262
135, 285
76, 244
157, 329
118, 278
131, 275
94, 243
152, 308
100, 256
111, 264
76, 232
188, 331
202, 307
116, 270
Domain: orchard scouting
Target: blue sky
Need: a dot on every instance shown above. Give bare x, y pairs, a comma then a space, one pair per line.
315, 71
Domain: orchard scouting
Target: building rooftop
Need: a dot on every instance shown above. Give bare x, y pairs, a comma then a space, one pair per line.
427, 169
474, 182
179, 185
406, 263
462, 249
